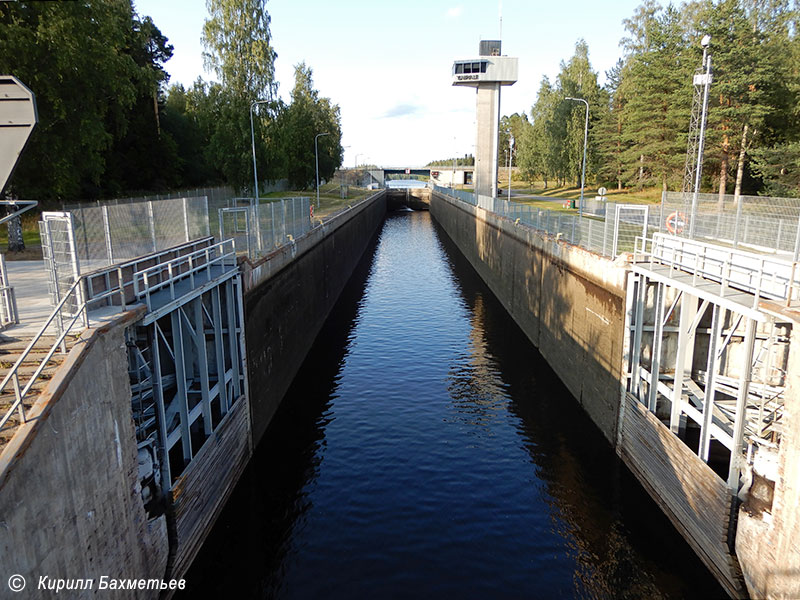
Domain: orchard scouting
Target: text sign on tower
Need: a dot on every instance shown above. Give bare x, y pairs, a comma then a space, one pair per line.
18, 117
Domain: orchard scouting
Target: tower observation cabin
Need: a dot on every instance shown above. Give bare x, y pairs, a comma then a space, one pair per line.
488, 72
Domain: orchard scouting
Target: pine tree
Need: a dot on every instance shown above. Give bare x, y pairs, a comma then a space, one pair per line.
656, 85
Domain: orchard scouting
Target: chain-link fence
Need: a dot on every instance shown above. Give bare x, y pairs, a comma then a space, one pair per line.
754, 223
591, 233
759, 223
123, 229
108, 234
262, 228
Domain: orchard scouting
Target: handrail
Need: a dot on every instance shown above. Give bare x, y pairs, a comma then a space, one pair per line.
695, 259
143, 287
102, 274
76, 290
26, 206
64, 331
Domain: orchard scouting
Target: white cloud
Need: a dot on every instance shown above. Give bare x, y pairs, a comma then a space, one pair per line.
455, 12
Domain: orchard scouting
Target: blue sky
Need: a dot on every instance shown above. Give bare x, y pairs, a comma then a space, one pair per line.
387, 65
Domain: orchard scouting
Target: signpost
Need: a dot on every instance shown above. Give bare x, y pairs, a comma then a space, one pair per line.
18, 117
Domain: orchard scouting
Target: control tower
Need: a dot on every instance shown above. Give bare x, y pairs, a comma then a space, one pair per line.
486, 73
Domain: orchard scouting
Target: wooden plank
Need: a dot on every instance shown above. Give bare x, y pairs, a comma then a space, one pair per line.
693, 497
198, 495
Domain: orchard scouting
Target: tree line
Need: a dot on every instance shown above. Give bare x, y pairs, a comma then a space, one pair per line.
639, 119
110, 123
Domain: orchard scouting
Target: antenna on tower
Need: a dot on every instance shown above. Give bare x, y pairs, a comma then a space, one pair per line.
500, 12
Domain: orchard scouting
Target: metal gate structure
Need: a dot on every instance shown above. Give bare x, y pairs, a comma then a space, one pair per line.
61, 261
235, 224
630, 222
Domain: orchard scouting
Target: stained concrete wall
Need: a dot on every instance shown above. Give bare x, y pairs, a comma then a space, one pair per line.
70, 502
569, 302
289, 294
768, 538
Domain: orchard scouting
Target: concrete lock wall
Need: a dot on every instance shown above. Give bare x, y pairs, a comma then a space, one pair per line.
569, 302
768, 536
70, 502
289, 294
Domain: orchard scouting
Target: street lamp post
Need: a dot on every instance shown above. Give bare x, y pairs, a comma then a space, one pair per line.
705, 80
255, 171
253, 142
316, 160
510, 150
585, 139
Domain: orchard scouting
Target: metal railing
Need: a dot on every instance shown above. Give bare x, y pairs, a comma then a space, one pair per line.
596, 235
162, 275
74, 294
761, 223
83, 294
24, 206
764, 276
120, 276
8, 300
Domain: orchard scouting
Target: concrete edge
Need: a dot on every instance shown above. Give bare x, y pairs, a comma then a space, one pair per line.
40, 411
255, 272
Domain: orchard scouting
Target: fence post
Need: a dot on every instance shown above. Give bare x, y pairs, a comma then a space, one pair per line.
797, 243
294, 219
736, 223
283, 220
208, 222
272, 222
186, 217
152, 223
107, 231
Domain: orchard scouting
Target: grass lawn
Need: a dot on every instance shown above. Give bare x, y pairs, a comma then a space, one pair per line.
536, 188
330, 200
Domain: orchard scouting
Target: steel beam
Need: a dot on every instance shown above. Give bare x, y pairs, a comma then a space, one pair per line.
655, 355
202, 363
710, 391
233, 342
224, 401
641, 293
180, 375
684, 356
158, 395
740, 419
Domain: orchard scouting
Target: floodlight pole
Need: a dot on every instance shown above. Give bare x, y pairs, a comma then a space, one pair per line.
510, 150
316, 160
585, 140
705, 79
255, 172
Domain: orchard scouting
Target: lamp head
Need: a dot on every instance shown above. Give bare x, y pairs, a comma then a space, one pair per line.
706, 41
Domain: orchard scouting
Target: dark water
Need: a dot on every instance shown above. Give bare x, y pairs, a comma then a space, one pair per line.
427, 450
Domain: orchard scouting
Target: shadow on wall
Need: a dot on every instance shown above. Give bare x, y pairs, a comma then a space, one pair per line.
555, 293
270, 485
612, 521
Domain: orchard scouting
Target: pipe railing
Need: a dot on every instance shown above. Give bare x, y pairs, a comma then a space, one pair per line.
761, 275
211, 255
149, 281
56, 316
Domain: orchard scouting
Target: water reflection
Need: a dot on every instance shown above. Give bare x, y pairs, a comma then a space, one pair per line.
425, 449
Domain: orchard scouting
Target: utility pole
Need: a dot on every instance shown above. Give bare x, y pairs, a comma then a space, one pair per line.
316, 161
585, 140
693, 173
